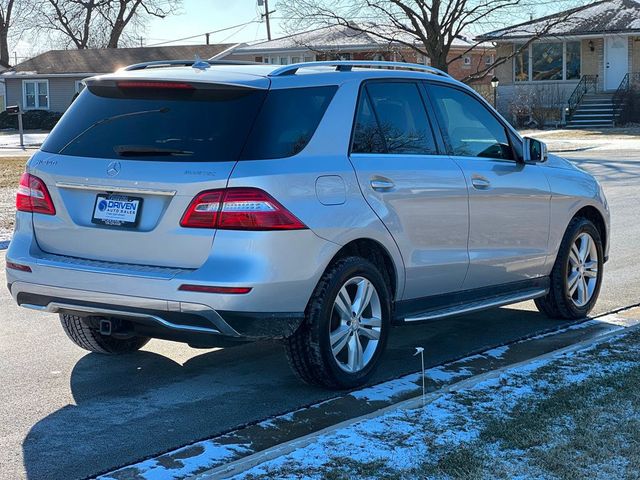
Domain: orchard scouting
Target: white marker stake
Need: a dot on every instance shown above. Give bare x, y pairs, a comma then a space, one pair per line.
420, 350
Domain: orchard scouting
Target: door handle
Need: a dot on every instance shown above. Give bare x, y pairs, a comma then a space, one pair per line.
382, 185
480, 183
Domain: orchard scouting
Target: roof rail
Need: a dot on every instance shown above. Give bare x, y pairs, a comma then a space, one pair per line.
185, 63
347, 66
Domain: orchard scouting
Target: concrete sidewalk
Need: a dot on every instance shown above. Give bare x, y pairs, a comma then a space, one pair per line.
10, 143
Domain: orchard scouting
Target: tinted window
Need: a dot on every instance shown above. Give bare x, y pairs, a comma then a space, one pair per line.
366, 135
400, 118
287, 121
190, 125
471, 129
210, 123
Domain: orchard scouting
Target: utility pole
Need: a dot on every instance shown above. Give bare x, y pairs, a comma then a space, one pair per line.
265, 15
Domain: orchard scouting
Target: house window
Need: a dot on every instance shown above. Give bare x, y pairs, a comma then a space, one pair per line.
550, 61
547, 61
378, 57
521, 61
488, 60
295, 59
308, 58
466, 60
35, 94
284, 61
341, 56
573, 60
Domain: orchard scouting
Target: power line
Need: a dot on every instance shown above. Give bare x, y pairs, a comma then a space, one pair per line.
256, 20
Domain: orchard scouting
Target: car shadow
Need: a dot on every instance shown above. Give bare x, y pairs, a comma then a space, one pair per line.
135, 406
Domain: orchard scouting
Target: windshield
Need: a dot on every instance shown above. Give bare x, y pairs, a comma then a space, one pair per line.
199, 124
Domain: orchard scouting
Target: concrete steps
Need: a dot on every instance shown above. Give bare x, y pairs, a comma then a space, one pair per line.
595, 111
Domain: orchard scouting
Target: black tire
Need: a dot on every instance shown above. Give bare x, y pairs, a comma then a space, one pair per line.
558, 302
90, 339
309, 350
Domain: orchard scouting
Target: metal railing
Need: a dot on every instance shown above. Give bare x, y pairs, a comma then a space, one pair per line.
586, 83
629, 81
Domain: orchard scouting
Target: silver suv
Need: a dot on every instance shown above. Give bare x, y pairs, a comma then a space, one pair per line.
318, 204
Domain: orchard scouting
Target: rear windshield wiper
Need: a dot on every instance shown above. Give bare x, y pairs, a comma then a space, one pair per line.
146, 151
111, 119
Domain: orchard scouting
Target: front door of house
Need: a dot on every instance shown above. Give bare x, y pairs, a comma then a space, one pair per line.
616, 61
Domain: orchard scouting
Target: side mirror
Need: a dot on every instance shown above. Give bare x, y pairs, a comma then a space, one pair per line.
534, 151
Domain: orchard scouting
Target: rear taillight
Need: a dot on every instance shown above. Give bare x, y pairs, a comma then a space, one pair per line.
33, 196
239, 209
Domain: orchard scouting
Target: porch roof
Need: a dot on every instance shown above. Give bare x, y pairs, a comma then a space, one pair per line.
607, 16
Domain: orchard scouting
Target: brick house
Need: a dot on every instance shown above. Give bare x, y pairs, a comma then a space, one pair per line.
345, 43
577, 66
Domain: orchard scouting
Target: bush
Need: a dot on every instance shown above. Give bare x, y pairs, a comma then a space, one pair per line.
31, 120
536, 105
631, 107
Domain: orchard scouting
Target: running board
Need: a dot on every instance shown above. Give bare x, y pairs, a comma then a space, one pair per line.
492, 302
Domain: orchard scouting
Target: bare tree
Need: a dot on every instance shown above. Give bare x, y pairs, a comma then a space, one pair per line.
99, 23
12, 19
118, 14
428, 27
6, 12
71, 18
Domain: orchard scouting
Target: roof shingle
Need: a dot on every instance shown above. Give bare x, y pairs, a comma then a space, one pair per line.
607, 16
336, 37
106, 60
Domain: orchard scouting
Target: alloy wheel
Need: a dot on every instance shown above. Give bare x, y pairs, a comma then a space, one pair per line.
582, 274
356, 324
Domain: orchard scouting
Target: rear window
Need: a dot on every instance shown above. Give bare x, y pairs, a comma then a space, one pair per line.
208, 123
287, 121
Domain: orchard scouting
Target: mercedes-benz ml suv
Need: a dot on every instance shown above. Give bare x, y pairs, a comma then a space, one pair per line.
317, 203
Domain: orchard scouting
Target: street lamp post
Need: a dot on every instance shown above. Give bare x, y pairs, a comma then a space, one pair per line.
494, 84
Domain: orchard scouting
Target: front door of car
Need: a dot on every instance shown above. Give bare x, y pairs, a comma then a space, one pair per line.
509, 201
419, 193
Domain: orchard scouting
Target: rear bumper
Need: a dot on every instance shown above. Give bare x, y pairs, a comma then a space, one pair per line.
281, 268
165, 319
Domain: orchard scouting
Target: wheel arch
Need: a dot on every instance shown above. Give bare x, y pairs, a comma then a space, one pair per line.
379, 255
594, 215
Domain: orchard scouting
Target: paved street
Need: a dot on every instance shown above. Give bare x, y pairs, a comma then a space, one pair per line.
69, 414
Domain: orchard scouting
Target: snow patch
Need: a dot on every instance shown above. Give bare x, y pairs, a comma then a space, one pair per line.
388, 390
180, 463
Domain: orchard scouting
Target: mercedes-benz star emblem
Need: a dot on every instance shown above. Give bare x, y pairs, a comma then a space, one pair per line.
113, 169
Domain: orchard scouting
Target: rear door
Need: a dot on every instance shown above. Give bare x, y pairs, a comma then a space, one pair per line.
509, 201
418, 193
126, 160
